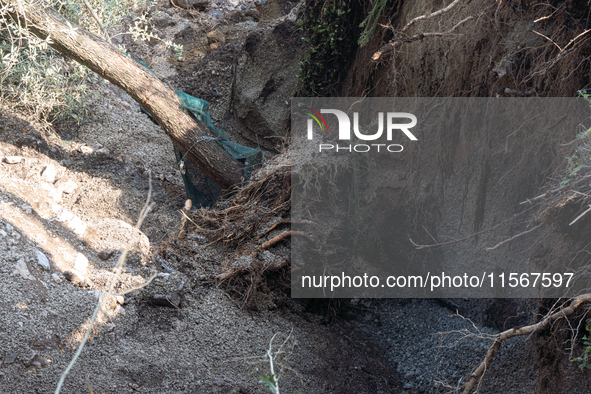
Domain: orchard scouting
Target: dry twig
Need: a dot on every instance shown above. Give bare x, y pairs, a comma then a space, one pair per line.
401, 38
515, 236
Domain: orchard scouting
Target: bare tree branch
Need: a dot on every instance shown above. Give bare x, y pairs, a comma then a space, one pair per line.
478, 373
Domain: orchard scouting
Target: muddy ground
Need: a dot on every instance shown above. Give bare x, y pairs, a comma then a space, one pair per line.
69, 198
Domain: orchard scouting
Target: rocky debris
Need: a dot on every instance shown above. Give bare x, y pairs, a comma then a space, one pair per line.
262, 88
11, 358
199, 5
87, 150
81, 263
162, 20
103, 151
66, 186
54, 193
113, 234
76, 278
22, 269
49, 173
216, 37
167, 289
37, 361
13, 159
57, 277
42, 260
243, 16
72, 222
105, 254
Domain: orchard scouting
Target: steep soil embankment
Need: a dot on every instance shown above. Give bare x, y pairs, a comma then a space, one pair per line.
460, 183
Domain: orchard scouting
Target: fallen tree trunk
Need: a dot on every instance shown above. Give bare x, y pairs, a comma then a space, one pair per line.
153, 95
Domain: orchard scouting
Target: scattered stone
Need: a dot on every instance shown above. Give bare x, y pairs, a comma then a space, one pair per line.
66, 186
216, 36
407, 386
23, 270
213, 47
11, 358
199, 5
103, 151
72, 222
81, 263
119, 310
237, 16
3, 233
163, 20
120, 300
409, 375
42, 260
87, 150
253, 14
106, 254
13, 159
54, 194
76, 278
172, 300
49, 173
57, 277
37, 361
9, 227
117, 235
166, 289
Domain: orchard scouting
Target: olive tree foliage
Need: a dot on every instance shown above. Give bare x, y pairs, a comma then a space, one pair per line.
35, 77
42, 81
190, 136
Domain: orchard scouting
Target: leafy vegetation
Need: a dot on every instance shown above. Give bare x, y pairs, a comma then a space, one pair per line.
331, 28
585, 358
582, 154
371, 22
51, 87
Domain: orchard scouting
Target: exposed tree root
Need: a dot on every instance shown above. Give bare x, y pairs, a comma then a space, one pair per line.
478, 373
284, 235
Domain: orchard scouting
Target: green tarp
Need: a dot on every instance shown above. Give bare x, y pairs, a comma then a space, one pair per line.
204, 193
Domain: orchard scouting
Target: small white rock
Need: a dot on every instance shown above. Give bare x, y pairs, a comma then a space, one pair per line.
13, 159
81, 263
87, 150
3, 233
22, 270
72, 222
56, 208
49, 173
66, 186
54, 194
9, 227
77, 225
42, 260
57, 277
